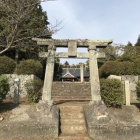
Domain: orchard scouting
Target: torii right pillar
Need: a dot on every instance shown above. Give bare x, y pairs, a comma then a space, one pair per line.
93, 65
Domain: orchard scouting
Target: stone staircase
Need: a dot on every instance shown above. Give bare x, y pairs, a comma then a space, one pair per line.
72, 123
71, 91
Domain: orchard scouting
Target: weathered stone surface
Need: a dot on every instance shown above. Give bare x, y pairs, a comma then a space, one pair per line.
80, 42
79, 55
94, 76
114, 77
132, 83
81, 72
72, 119
72, 49
47, 88
31, 122
127, 92
22, 80
71, 91
112, 124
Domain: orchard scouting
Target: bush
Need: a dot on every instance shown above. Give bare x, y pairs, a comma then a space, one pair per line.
126, 57
127, 68
4, 87
30, 67
138, 90
112, 92
110, 67
137, 66
7, 65
117, 68
33, 88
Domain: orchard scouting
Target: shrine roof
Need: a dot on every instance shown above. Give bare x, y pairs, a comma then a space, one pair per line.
74, 71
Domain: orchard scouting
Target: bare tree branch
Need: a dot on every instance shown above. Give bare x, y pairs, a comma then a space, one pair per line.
14, 14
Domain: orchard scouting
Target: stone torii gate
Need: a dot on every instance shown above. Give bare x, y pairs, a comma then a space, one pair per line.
72, 45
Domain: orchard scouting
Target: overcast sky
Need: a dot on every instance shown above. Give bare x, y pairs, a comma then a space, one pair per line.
96, 19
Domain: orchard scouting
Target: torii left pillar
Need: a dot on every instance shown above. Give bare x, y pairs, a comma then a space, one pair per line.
48, 81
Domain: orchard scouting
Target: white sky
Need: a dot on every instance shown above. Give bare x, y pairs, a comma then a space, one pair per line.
95, 19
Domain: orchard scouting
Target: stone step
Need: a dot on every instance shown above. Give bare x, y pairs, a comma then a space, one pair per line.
71, 93
66, 98
73, 121
61, 137
71, 108
55, 91
73, 129
70, 115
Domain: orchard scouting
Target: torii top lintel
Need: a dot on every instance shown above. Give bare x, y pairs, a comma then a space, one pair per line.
84, 43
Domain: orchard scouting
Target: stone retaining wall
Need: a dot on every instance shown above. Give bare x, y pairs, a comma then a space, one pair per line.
22, 80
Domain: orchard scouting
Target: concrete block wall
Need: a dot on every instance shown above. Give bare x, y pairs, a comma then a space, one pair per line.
71, 90
22, 80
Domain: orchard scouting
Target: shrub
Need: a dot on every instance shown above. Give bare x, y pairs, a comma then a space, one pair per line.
110, 67
112, 92
33, 88
127, 68
126, 57
7, 65
4, 87
138, 90
30, 67
137, 66
117, 68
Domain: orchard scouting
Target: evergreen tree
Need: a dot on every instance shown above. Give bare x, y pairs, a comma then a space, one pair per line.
138, 41
138, 46
129, 52
19, 22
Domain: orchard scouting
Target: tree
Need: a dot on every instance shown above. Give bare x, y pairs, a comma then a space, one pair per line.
20, 20
112, 51
129, 53
137, 45
57, 70
66, 64
138, 41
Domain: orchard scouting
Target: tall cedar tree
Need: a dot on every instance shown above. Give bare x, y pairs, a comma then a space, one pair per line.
19, 22
138, 46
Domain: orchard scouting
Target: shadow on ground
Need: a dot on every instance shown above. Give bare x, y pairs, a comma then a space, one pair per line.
7, 106
136, 104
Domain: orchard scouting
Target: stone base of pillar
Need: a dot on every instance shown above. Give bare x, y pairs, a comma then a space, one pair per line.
48, 103
97, 111
111, 123
37, 121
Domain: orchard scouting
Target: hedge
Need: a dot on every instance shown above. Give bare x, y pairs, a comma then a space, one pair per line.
138, 90
137, 66
30, 67
7, 65
117, 68
4, 88
112, 92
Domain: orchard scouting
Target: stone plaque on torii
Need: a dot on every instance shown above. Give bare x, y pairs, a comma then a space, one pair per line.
72, 45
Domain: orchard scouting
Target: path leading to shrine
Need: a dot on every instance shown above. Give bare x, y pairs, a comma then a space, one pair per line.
72, 122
